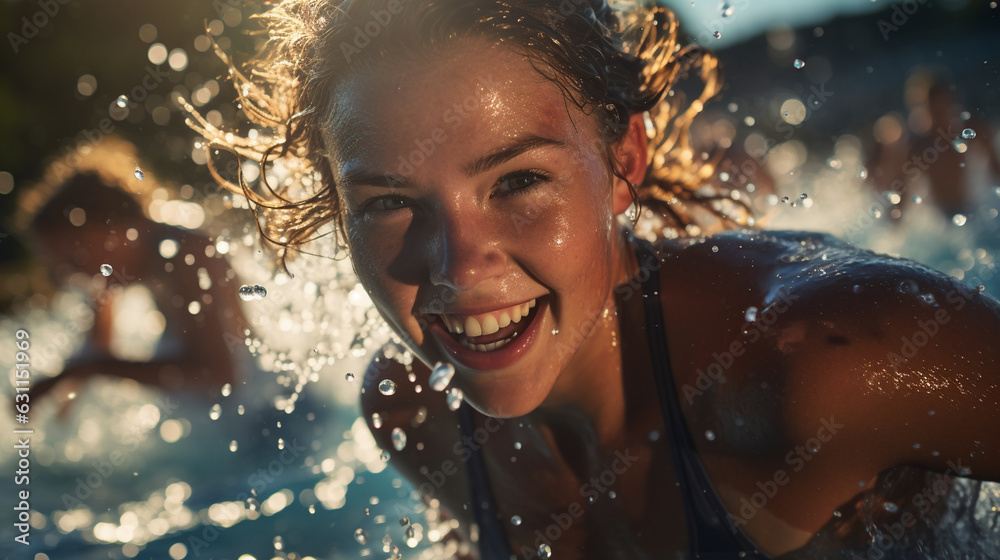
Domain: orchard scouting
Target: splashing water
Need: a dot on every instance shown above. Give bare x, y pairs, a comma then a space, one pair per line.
387, 387
454, 398
441, 376
398, 439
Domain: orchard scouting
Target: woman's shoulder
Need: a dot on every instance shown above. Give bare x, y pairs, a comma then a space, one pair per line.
810, 265
803, 311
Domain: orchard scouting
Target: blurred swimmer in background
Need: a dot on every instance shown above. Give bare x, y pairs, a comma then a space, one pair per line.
87, 222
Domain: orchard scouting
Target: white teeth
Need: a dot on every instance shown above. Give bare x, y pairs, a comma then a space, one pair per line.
515, 314
486, 347
490, 325
472, 327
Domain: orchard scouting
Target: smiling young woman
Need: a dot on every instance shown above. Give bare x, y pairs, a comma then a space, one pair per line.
475, 158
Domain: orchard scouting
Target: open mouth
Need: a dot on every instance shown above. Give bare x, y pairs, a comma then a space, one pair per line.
490, 331
491, 340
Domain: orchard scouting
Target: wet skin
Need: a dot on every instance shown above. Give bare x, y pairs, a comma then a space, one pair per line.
576, 399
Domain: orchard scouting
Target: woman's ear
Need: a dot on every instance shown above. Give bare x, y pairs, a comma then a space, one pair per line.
631, 158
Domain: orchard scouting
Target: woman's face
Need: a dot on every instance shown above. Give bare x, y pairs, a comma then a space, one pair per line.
476, 199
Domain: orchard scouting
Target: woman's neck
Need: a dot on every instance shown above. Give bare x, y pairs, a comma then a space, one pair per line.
593, 384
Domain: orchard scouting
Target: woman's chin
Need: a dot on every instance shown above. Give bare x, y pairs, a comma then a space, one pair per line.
504, 399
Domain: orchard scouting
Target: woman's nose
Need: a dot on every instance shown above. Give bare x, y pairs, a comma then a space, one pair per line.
467, 256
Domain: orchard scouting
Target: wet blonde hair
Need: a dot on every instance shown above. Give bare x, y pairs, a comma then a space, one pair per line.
611, 61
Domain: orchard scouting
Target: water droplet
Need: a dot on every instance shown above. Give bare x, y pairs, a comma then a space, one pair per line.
980, 288
959, 219
799, 63
349, 376
122, 101
215, 411
555, 331
227, 390
281, 443
106, 270
252, 504
233, 446
715, 248
727, 10
441, 376
404, 521
803, 196
454, 398
398, 439
278, 543
751, 314
784, 198
544, 550
917, 199
876, 212
384, 456
907, 287
515, 520
312, 509
387, 387
139, 174
890, 507
612, 494
785, 114
709, 435
928, 299
836, 513
856, 289
517, 445
716, 34
259, 292
246, 293
361, 536
377, 420
968, 134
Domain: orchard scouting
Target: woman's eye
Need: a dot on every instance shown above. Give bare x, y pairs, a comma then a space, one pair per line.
387, 203
520, 182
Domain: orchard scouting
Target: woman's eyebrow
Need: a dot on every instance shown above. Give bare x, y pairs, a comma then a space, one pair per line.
360, 176
506, 153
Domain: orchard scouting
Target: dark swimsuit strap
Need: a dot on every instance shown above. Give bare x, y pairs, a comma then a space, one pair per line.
710, 532
493, 543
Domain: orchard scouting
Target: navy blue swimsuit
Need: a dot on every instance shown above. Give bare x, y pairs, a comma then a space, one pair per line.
711, 534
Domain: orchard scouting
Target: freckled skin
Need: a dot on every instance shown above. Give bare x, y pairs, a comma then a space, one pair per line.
819, 350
